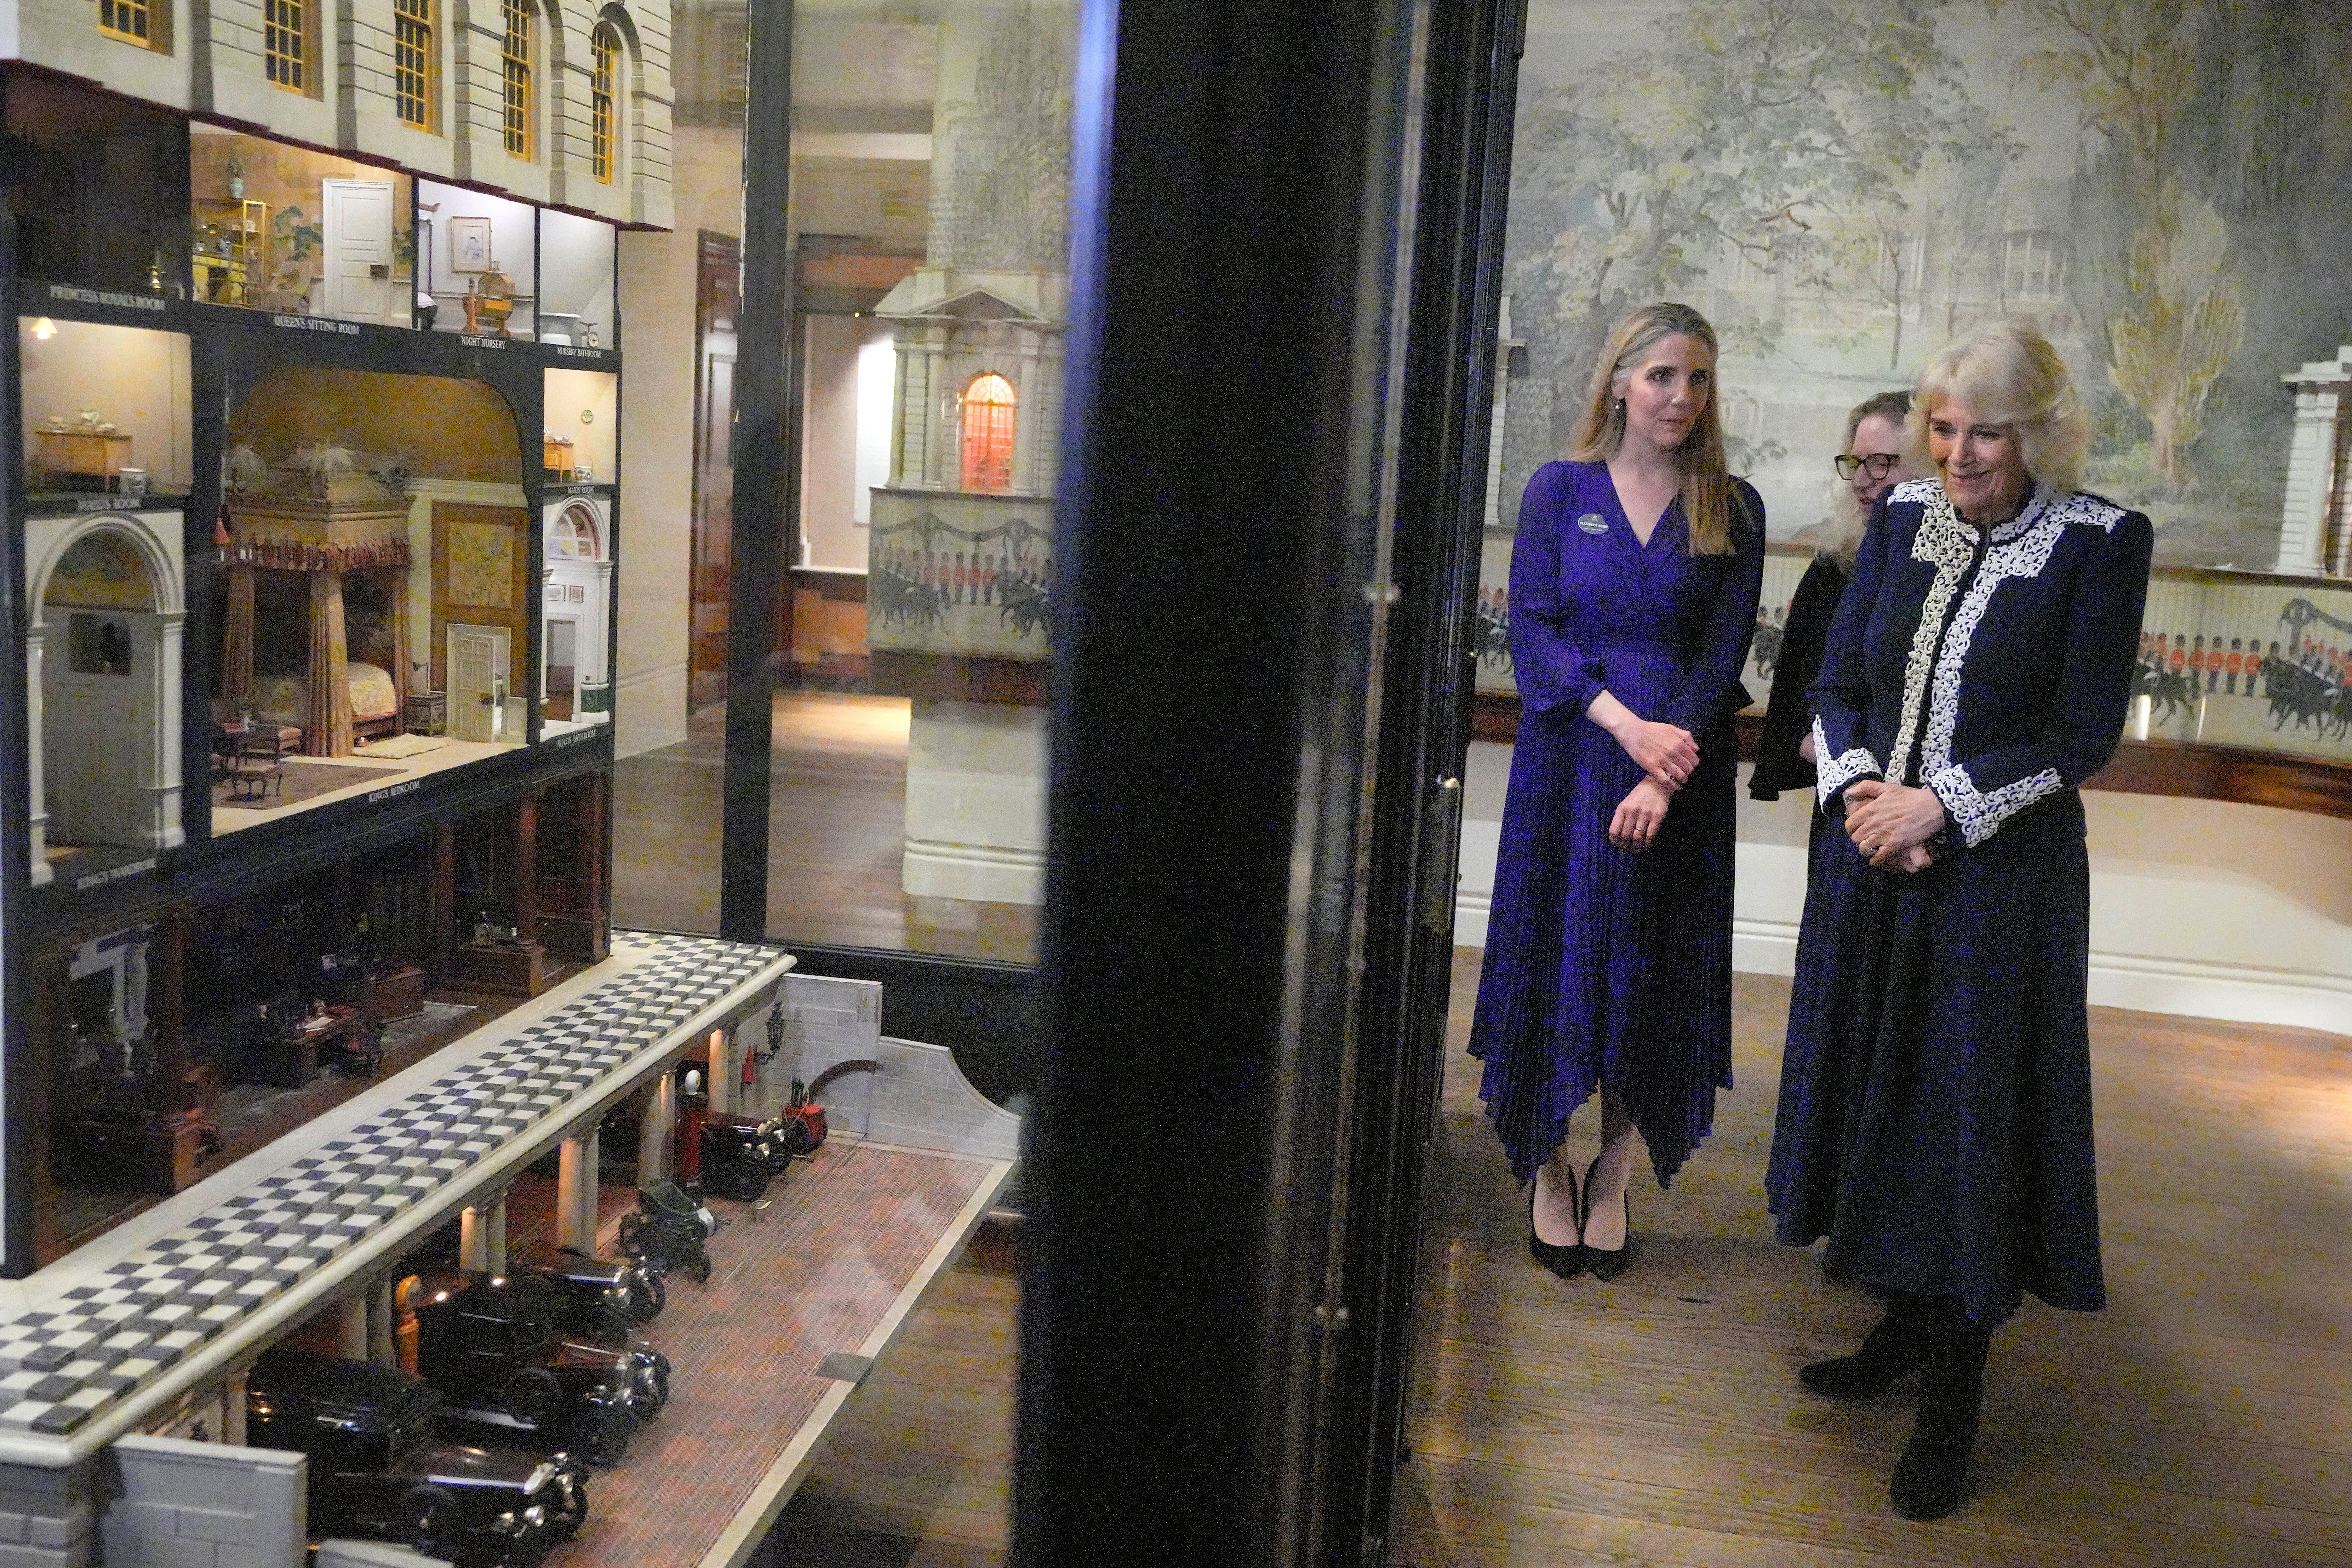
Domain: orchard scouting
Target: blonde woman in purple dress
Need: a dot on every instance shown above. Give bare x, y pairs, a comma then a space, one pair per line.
1633, 587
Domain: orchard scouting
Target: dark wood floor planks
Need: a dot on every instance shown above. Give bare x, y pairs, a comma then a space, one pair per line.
2205, 1419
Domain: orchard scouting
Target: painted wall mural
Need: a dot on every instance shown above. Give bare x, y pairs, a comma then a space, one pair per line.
1843, 185
2231, 658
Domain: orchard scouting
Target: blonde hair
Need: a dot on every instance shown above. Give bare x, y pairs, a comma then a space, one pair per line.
2008, 374
1842, 537
1707, 491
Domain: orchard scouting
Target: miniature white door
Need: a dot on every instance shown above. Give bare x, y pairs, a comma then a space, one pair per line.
357, 238
478, 668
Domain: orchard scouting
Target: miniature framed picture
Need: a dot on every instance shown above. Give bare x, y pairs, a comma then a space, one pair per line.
469, 245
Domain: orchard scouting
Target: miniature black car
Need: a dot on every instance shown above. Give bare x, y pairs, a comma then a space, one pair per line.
602, 1300
741, 1155
378, 1473
493, 1347
667, 1230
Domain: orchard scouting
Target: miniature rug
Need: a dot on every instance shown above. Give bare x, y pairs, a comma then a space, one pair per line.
400, 746
298, 782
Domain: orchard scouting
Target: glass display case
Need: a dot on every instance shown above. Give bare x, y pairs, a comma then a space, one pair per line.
106, 411
481, 262
576, 302
297, 232
99, 186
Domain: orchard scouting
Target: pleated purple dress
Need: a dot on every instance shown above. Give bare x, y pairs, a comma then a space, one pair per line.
1604, 967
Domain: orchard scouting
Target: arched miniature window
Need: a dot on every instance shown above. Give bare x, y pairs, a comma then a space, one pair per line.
603, 113
516, 55
415, 63
988, 412
575, 535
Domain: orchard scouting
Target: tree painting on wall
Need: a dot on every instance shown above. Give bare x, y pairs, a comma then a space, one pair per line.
1843, 185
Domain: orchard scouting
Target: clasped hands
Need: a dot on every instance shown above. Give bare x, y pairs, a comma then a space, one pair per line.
1890, 824
1667, 755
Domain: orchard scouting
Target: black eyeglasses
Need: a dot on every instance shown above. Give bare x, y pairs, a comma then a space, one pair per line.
1879, 464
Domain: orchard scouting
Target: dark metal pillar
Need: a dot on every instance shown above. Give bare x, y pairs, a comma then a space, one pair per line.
765, 445
1240, 199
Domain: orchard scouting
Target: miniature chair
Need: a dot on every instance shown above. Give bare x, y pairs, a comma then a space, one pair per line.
260, 760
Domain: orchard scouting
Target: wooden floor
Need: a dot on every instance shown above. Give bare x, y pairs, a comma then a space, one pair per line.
2205, 1418
837, 826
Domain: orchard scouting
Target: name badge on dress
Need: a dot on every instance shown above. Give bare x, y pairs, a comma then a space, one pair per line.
1593, 522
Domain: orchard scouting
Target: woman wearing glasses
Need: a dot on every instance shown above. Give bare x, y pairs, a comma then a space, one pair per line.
1633, 587
1872, 463
1934, 1116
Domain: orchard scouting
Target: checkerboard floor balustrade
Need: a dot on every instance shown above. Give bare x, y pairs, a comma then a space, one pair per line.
104, 1340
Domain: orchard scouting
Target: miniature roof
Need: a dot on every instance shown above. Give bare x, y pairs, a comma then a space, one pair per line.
935, 293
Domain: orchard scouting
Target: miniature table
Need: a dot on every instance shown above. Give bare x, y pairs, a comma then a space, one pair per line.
84, 455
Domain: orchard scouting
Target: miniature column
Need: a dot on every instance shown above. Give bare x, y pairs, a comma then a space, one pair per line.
482, 1237
471, 1254
35, 639
494, 1236
232, 1407
351, 1313
722, 1071
381, 1349
660, 1119
575, 1193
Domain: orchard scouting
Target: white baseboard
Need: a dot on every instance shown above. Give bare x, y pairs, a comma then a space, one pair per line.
649, 709
978, 873
2186, 987
1763, 947
1470, 912
2239, 993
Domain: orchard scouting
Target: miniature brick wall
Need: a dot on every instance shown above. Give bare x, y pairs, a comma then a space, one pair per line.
913, 1095
204, 1505
45, 1517
923, 1102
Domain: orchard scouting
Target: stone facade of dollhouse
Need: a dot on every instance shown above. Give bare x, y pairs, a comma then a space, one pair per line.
207, 59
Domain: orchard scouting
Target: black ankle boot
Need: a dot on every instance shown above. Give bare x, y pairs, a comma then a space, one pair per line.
1897, 1345
1931, 1479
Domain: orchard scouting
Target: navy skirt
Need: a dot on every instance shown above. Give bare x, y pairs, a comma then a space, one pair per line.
1935, 1117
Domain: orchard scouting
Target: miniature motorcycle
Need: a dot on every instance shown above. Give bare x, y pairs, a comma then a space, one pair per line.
668, 1231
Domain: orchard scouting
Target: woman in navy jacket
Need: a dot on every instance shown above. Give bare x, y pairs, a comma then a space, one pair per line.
1935, 1117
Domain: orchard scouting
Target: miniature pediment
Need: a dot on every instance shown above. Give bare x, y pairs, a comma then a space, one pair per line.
979, 305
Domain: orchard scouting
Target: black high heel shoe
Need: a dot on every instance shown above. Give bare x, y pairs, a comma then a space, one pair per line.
1607, 1265
1568, 1261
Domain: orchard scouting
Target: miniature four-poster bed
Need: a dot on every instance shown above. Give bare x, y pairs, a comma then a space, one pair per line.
338, 700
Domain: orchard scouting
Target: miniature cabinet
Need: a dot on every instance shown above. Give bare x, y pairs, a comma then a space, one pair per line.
229, 256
